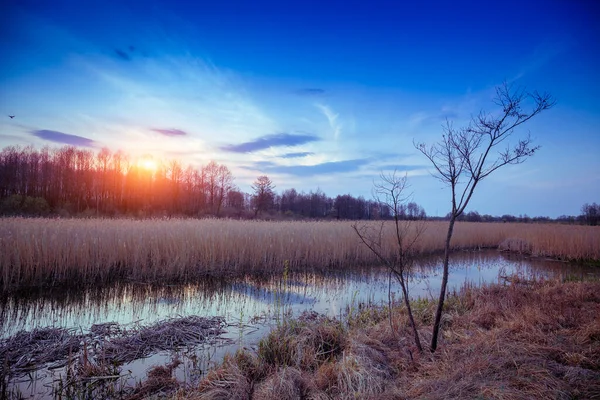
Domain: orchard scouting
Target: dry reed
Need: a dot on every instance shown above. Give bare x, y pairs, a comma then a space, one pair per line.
164, 335
105, 344
27, 351
160, 382
540, 340
37, 252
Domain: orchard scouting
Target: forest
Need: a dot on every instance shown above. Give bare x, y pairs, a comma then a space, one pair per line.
71, 181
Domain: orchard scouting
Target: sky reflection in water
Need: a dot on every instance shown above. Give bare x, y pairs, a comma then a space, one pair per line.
252, 298
251, 305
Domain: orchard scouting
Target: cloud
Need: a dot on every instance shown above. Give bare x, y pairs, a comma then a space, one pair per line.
182, 153
310, 92
447, 115
327, 168
297, 155
331, 167
267, 141
170, 132
65, 138
122, 55
422, 117
402, 168
542, 55
127, 54
332, 118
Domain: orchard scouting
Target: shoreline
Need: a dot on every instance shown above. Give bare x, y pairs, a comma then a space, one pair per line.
539, 340
521, 339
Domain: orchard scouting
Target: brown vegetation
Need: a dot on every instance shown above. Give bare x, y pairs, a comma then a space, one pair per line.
37, 252
528, 340
92, 362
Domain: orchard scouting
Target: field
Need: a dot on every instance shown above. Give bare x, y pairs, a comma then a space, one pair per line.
35, 252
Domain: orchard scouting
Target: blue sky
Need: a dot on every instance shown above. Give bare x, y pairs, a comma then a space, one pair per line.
314, 94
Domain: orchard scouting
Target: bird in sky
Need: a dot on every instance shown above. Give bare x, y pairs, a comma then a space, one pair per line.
11, 116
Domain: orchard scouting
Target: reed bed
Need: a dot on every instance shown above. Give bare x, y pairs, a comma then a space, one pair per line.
40, 251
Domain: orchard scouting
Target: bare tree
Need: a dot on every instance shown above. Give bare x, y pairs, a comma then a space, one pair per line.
391, 192
590, 213
466, 156
224, 184
263, 194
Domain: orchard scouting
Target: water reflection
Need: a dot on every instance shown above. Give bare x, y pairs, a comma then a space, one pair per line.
327, 292
251, 305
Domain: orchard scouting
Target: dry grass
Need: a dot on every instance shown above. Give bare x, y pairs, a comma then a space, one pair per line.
26, 351
306, 343
540, 340
160, 382
57, 251
518, 342
161, 336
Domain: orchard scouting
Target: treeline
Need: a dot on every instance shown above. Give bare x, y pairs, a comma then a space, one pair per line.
70, 181
590, 215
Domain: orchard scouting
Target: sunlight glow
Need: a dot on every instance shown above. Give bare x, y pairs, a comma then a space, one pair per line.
148, 164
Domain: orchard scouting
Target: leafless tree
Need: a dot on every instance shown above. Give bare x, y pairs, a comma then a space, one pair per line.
391, 192
590, 213
225, 184
263, 194
466, 156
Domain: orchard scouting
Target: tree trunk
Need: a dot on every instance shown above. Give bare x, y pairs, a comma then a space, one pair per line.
410, 314
440, 307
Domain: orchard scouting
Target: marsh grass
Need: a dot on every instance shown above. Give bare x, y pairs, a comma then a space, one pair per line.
539, 339
37, 251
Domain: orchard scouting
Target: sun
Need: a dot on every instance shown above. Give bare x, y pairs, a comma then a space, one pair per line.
147, 163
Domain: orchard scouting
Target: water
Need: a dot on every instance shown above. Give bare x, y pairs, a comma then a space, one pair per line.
251, 306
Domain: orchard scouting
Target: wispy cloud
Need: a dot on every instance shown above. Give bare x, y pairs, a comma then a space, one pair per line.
541, 55
170, 132
60, 137
422, 117
13, 138
402, 167
328, 168
267, 141
125, 54
310, 92
332, 117
122, 55
187, 90
297, 155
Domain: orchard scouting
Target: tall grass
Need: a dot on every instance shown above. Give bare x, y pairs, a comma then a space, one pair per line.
49, 251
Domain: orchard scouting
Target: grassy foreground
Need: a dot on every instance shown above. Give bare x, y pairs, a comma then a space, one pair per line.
38, 251
528, 340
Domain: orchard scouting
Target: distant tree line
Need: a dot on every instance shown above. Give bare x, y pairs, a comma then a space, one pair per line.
70, 181
590, 215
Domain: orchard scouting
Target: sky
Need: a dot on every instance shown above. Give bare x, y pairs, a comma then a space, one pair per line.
313, 94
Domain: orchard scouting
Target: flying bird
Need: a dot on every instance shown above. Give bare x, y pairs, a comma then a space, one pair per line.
11, 116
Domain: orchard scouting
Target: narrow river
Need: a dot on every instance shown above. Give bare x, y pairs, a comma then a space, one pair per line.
250, 306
